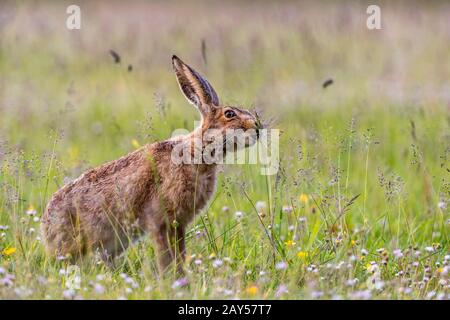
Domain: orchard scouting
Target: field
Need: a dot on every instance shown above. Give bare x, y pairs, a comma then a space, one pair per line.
359, 208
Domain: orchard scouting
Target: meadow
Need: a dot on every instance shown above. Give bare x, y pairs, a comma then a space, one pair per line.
359, 208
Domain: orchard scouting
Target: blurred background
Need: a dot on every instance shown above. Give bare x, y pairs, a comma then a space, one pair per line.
64, 88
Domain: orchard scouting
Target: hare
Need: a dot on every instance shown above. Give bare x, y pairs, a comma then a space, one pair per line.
145, 192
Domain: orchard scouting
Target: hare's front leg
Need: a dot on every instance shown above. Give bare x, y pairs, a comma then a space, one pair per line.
170, 247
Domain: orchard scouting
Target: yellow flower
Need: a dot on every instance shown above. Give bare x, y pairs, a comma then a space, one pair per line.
440, 270
252, 290
9, 251
304, 198
353, 242
289, 243
302, 254
212, 256
135, 143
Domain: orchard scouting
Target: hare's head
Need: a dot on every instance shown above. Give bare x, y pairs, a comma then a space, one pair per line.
223, 120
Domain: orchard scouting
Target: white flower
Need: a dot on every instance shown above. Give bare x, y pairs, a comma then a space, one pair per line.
197, 262
217, 263
227, 292
100, 277
99, 289
281, 265
316, 294
239, 214
352, 282
364, 252
260, 205
69, 293
287, 209
225, 209
398, 253
31, 211
431, 294
442, 205
429, 249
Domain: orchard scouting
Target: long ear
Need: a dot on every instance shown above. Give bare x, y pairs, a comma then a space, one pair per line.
196, 88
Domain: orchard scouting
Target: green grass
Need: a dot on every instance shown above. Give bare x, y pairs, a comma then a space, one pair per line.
370, 152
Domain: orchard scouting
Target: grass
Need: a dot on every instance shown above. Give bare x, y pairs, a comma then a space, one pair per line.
360, 206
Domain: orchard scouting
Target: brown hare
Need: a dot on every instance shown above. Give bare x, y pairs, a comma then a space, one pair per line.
145, 191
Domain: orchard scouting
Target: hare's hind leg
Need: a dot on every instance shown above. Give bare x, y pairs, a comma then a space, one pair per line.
169, 245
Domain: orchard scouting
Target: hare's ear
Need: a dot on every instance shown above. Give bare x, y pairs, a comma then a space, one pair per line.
196, 88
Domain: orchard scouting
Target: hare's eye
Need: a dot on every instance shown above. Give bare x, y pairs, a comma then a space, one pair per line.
230, 114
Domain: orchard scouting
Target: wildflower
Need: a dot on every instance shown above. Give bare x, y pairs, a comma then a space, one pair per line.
227, 292
282, 289
135, 144
431, 294
291, 227
429, 249
4, 228
100, 277
304, 198
372, 267
239, 214
36, 219
99, 289
9, 251
398, 253
197, 262
217, 263
69, 294
441, 205
252, 290
281, 265
316, 294
443, 270
364, 252
287, 209
225, 209
260, 205
31, 211
352, 282
353, 243
289, 243
180, 283
302, 254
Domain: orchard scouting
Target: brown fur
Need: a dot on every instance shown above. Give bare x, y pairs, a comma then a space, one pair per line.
142, 192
